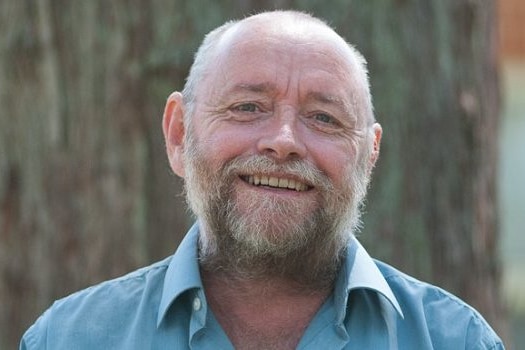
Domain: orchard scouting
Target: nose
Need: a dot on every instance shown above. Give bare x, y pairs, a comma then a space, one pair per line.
283, 141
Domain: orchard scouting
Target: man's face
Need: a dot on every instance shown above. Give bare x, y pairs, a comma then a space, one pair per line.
277, 152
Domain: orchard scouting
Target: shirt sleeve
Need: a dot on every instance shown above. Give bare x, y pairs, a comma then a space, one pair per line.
481, 336
36, 336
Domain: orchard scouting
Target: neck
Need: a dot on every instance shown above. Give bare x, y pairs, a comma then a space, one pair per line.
263, 287
255, 313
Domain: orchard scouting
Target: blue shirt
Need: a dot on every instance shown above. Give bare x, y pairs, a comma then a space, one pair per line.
163, 306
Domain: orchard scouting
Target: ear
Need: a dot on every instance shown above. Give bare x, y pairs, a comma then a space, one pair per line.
378, 132
173, 128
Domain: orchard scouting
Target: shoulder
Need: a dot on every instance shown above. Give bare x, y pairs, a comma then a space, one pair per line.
102, 310
121, 290
442, 315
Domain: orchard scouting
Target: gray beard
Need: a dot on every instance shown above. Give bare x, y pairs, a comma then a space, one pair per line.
305, 250
311, 260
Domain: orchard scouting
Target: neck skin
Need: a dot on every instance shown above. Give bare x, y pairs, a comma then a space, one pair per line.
265, 313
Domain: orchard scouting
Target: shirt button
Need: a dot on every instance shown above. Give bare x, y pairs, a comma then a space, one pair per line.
197, 304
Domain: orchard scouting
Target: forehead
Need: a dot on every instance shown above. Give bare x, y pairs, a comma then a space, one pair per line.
277, 53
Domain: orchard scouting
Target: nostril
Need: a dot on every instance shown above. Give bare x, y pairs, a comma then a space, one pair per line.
285, 144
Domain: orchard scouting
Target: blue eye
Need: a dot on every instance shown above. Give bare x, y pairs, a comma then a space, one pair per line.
247, 107
324, 118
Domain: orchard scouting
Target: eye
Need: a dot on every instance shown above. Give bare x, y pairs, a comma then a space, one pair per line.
324, 118
247, 107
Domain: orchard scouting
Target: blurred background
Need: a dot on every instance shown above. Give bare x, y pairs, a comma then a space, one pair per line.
86, 193
511, 164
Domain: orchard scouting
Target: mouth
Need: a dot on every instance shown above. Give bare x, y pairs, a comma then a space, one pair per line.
276, 182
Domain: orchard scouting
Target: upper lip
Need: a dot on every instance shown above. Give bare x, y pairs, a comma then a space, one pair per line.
278, 181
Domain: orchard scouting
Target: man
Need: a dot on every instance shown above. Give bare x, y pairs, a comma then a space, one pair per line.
275, 138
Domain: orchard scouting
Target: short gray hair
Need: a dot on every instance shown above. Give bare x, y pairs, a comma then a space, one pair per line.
199, 67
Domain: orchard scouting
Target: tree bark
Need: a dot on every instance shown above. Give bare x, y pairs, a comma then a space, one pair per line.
86, 192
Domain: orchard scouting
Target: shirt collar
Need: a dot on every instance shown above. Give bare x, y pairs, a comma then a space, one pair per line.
359, 271
183, 272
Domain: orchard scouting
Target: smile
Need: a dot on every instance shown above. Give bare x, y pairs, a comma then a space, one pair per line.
276, 182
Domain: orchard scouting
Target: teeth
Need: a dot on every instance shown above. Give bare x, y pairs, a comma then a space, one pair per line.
273, 181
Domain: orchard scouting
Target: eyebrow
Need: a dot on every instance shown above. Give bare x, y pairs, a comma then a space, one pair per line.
330, 100
318, 96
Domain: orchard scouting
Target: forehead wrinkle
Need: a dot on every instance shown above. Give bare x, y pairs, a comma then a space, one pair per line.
264, 87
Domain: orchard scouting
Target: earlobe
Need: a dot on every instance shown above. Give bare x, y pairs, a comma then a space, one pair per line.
173, 129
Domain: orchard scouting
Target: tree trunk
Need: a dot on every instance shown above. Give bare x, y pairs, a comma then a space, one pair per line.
86, 192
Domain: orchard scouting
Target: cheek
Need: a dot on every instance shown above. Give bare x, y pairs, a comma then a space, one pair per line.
335, 160
225, 146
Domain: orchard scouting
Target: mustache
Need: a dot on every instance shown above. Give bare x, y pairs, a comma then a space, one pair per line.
301, 170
